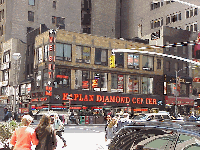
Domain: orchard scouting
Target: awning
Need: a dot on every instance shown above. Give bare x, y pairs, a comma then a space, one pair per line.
180, 100
26, 81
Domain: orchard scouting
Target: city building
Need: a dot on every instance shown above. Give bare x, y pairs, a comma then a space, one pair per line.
141, 18
169, 37
72, 70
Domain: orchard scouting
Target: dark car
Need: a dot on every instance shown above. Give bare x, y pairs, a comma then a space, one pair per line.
159, 136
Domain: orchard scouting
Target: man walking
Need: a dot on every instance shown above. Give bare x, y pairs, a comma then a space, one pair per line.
57, 126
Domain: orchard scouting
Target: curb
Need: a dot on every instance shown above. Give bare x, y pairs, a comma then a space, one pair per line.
85, 125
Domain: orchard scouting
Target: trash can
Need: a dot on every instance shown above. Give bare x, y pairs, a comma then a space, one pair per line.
91, 119
87, 119
82, 119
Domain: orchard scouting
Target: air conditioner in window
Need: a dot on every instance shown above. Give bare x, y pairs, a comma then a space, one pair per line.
68, 58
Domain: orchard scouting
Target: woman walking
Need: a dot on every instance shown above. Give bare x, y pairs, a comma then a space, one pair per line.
45, 134
24, 135
110, 130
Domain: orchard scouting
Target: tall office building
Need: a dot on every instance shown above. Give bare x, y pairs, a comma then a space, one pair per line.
141, 18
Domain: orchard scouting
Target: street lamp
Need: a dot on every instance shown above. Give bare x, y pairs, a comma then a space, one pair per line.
16, 57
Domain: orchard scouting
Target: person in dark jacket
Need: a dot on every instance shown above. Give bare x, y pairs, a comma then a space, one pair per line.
45, 134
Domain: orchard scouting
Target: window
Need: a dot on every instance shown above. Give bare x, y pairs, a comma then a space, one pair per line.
191, 27
195, 11
133, 61
117, 83
155, 5
167, 66
2, 13
133, 84
184, 68
187, 13
54, 4
5, 75
187, 28
179, 16
101, 56
6, 57
158, 63
31, 68
176, 66
40, 54
46, 53
175, 49
195, 27
184, 49
53, 19
38, 78
147, 63
83, 54
30, 16
27, 69
152, 24
63, 52
119, 59
191, 12
99, 81
82, 80
147, 85
167, 20
168, 2
31, 2
62, 78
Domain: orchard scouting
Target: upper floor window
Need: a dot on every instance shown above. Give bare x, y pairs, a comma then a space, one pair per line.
158, 63
62, 78
83, 54
147, 63
101, 56
31, 2
99, 81
117, 83
184, 49
192, 27
191, 12
175, 49
119, 59
82, 79
63, 52
176, 66
167, 66
173, 17
133, 61
184, 68
6, 57
54, 4
30, 16
155, 5
156, 23
133, 84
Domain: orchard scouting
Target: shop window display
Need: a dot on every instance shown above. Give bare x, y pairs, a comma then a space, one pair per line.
99, 81
83, 54
133, 61
147, 85
133, 84
82, 80
62, 78
117, 83
147, 63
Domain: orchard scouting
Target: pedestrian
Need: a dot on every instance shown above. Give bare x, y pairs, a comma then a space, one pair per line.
45, 134
110, 130
23, 136
57, 126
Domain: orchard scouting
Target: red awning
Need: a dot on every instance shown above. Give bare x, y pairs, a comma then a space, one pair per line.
180, 101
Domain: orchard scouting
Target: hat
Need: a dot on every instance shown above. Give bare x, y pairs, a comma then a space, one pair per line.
27, 117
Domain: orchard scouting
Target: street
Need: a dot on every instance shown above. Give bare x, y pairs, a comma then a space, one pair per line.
83, 137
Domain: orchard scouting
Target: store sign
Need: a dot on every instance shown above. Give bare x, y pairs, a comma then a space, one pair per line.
140, 109
196, 79
23, 110
109, 99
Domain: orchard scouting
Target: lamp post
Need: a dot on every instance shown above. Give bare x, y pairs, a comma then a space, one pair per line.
16, 57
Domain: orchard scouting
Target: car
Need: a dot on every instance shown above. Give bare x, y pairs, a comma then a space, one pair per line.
151, 135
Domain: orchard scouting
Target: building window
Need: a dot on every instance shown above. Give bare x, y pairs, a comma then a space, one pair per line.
195, 11
191, 27
82, 80
53, 19
191, 12
63, 52
179, 16
31, 2
54, 4
147, 63
27, 69
187, 13
187, 28
133, 61
119, 59
167, 66
168, 2
30, 16
167, 20
175, 49
99, 81
147, 85
62, 78
46, 52
133, 84
101, 56
176, 66
158, 63
195, 27
2, 14
6, 57
83, 54
117, 83
29, 50
31, 68
184, 49
185, 68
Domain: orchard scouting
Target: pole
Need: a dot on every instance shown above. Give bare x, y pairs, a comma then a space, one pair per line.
176, 111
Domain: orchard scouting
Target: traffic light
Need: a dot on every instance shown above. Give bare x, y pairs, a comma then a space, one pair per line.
112, 61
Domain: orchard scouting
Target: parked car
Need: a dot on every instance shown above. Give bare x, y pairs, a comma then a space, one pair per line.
151, 135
